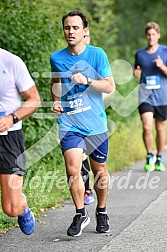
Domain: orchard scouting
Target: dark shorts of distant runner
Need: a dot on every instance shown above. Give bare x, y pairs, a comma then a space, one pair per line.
94, 146
12, 157
159, 112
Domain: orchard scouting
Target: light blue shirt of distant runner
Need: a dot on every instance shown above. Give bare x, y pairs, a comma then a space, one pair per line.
83, 106
145, 60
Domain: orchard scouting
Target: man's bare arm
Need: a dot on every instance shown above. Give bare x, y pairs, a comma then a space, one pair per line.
104, 85
137, 72
56, 95
31, 104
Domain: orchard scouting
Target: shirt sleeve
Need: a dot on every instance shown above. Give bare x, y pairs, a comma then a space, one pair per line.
54, 70
23, 78
103, 65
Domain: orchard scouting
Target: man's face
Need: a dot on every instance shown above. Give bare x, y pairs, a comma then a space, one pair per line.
74, 31
152, 37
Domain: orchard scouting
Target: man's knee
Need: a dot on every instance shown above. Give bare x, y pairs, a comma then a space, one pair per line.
11, 211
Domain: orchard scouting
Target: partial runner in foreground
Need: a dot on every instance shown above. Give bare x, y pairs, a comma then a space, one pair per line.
15, 82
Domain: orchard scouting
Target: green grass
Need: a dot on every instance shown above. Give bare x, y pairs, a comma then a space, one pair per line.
125, 147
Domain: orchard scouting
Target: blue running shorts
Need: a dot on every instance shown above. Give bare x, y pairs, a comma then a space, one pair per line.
94, 146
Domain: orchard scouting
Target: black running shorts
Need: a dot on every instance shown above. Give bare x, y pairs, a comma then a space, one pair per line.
12, 147
159, 112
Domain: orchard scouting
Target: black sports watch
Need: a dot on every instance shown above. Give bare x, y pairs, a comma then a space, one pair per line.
89, 81
15, 119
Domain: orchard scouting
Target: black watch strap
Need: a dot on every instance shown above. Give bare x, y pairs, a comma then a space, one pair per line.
15, 119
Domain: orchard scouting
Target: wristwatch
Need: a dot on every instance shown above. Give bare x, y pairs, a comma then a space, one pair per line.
15, 119
89, 81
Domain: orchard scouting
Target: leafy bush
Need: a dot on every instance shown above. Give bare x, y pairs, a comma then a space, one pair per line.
32, 30
27, 31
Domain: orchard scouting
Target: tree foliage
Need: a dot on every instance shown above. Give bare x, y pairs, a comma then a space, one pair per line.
33, 30
131, 20
28, 32
102, 26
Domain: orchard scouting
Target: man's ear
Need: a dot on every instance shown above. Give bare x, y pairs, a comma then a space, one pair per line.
86, 31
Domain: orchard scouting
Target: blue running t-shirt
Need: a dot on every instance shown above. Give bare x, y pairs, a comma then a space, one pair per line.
152, 77
83, 106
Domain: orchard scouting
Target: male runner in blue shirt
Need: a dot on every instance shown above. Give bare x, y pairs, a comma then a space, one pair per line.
151, 68
80, 74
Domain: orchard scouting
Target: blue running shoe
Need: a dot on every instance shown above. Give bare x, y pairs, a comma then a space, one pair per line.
26, 221
88, 197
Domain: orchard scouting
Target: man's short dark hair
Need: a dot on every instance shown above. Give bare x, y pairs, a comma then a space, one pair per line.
76, 13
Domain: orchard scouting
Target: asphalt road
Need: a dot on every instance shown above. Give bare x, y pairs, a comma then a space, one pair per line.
137, 208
